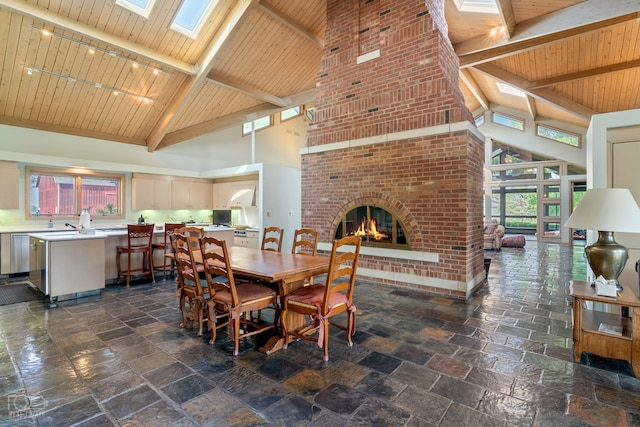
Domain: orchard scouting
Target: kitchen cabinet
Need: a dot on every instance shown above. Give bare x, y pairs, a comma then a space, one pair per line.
191, 195
247, 239
149, 193
19, 253
237, 194
10, 179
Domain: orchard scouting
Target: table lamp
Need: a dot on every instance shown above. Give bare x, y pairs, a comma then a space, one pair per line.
607, 210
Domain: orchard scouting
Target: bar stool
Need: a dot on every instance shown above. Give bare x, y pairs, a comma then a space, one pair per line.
139, 240
165, 247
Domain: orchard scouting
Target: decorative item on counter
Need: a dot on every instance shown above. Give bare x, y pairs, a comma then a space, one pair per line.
50, 225
85, 219
141, 220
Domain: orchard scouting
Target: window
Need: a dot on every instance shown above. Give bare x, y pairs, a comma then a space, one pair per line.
191, 16
558, 135
508, 121
141, 7
479, 120
259, 124
65, 193
510, 90
479, 6
290, 113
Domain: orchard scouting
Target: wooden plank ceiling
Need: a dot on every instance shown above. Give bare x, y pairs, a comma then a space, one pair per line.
108, 73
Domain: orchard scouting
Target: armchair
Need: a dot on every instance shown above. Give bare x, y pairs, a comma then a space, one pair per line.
493, 234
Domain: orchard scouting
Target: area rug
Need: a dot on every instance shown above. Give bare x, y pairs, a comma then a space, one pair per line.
18, 292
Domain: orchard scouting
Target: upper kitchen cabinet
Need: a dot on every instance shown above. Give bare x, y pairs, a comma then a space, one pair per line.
150, 193
192, 195
10, 179
236, 194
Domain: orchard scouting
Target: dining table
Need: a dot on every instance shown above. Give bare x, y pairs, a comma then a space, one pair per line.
287, 271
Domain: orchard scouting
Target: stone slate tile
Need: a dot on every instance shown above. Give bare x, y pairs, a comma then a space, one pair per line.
461, 415
167, 374
515, 411
70, 413
374, 412
187, 388
381, 362
340, 399
458, 391
423, 403
159, 414
132, 401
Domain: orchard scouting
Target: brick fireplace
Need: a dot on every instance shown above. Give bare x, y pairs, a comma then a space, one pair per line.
391, 130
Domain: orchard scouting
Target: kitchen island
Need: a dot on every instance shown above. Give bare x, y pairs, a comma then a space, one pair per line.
68, 264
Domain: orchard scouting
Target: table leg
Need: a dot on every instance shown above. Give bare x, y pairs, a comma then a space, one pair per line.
635, 342
577, 328
294, 320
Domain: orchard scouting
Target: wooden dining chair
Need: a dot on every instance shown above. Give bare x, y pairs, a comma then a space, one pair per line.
272, 239
305, 242
165, 247
323, 301
193, 296
139, 241
234, 300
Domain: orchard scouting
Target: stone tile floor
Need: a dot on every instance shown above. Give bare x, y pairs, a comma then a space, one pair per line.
503, 358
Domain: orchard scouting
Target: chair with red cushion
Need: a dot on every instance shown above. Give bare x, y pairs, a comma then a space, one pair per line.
323, 301
272, 239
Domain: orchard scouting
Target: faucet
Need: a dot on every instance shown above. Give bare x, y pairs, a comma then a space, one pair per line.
72, 226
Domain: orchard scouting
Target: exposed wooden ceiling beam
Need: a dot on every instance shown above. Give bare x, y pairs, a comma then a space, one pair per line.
543, 94
584, 74
236, 118
284, 19
188, 89
476, 90
76, 27
507, 17
572, 21
248, 90
38, 125
531, 106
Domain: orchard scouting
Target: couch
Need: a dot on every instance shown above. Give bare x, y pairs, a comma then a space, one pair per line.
493, 234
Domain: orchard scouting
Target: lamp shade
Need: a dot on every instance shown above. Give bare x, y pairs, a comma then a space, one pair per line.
607, 209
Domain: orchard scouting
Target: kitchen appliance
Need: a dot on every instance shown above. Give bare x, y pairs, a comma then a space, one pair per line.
221, 217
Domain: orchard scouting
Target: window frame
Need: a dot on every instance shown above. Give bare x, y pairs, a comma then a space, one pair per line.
77, 176
577, 135
126, 4
300, 109
514, 118
270, 116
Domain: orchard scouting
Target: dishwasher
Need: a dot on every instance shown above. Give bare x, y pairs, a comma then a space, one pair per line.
38, 264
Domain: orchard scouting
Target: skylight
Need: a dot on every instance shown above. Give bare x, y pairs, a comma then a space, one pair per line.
510, 90
478, 6
141, 7
191, 16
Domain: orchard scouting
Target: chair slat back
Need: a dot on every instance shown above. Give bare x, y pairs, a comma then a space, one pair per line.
343, 264
140, 235
169, 230
185, 263
305, 241
193, 235
272, 239
217, 267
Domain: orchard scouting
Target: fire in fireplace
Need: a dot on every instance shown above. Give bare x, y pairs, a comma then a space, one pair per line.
376, 226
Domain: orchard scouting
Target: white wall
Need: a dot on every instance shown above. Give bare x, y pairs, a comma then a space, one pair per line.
220, 154
605, 130
529, 141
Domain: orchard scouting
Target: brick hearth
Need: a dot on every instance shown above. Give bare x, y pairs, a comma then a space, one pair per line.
391, 129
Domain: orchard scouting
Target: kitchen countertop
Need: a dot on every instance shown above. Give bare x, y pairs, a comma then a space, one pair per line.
108, 230
68, 235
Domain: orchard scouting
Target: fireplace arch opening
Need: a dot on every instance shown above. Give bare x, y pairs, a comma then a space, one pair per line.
377, 226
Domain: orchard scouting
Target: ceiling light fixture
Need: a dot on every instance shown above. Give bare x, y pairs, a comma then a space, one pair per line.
30, 70
92, 49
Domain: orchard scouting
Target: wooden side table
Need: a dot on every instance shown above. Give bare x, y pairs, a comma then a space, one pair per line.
587, 337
